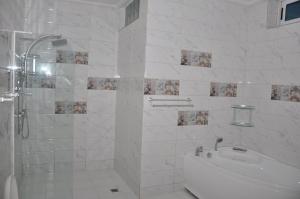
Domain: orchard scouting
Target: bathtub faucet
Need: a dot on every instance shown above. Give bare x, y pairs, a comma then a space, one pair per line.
198, 150
219, 140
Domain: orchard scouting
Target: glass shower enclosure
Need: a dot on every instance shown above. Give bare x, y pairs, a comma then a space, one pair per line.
38, 137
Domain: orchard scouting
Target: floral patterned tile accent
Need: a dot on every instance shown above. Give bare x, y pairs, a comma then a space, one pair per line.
72, 57
223, 89
66, 107
41, 81
188, 118
195, 58
285, 93
95, 83
161, 87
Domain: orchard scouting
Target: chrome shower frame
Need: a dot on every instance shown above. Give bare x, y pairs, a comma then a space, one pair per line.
22, 113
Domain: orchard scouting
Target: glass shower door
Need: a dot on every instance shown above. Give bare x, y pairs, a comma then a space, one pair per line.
45, 121
5, 111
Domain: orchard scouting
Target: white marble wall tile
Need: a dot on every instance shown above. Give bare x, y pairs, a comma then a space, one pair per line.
104, 23
191, 133
271, 59
102, 71
73, 8
165, 23
162, 55
79, 19
81, 45
257, 91
159, 177
102, 53
168, 8
101, 125
99, 164
194, 88
101, 102
164, 39
12, 15
224, 36
103, 152
159, 133
74, 32
80, 76
160, 118
159, 148
63, 126
157, 163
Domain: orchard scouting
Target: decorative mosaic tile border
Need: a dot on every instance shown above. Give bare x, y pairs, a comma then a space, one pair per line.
41, 81
188, 118
223, 89
72, 57
161, 87
66, 107
285, 93
95, 83
195, 58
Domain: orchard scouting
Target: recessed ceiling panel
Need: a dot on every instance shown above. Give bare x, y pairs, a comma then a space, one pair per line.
245, 2
108, 2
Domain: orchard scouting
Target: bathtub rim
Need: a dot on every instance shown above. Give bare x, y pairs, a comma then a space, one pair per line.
225, 171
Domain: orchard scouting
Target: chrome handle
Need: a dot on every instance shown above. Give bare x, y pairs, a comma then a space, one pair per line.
199, 150
9, 68
6, 99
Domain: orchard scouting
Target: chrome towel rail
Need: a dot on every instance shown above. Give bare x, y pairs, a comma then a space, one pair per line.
175, 105
158, 102
170, 100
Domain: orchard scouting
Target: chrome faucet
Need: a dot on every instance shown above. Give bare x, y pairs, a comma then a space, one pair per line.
219, 140
198, 150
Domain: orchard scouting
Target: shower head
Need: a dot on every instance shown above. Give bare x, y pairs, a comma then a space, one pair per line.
40, 39
59, 42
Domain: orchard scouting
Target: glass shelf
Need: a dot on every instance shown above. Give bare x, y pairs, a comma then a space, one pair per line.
243, 124
242, 115
243, 107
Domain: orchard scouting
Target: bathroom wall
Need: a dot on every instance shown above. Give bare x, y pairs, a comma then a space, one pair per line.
262, 63
212, 30
84, 80
129, 104
273, 57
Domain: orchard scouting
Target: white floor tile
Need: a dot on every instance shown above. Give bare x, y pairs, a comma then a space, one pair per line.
83, 185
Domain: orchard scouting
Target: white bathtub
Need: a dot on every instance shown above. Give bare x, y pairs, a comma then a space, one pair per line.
230, 174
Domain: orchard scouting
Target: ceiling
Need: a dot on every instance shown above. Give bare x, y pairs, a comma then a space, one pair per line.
106, 2
122, 2
244, 2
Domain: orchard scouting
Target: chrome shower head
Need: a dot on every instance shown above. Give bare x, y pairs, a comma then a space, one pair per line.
59, 42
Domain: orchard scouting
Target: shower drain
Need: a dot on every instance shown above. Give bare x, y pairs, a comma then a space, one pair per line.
115, 190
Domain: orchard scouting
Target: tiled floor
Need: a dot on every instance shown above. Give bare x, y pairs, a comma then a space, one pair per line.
77, 185
82, 185
176, 195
